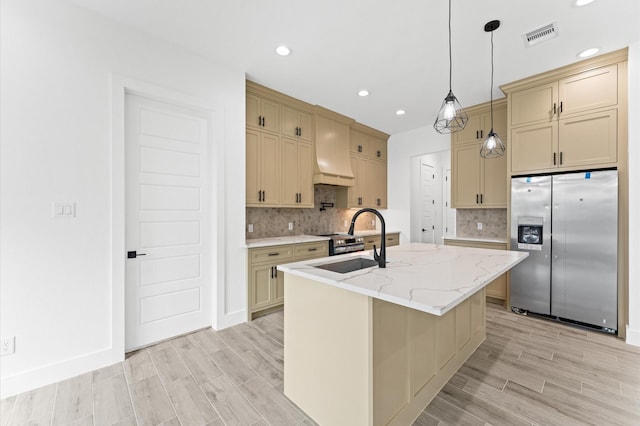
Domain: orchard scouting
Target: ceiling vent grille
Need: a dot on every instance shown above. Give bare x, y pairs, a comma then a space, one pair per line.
541, 34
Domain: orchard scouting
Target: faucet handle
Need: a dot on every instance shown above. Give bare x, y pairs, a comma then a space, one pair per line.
376, 256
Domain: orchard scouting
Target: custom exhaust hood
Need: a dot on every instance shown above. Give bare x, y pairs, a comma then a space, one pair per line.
332, 160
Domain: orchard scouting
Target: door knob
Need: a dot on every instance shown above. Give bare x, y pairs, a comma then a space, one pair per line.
134, 254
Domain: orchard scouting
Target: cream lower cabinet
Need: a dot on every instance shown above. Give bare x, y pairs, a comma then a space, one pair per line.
266, 284
297, 182
499, 288
392, 239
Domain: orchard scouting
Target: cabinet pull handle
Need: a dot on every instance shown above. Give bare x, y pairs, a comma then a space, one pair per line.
272, 254
359, 148
481, 133
300, 198
379, 154
554, 108
561, 158
359, 201
264, 196
561, 111
378, 202
299, 131
477, 135
271, 270
480, 198
477, 197
312, 249
275, 272
259, 120
554, 158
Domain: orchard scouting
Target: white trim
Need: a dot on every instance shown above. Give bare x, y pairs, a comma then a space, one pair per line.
633, 336
51, 373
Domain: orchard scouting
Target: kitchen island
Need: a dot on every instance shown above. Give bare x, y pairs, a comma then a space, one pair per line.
374, 346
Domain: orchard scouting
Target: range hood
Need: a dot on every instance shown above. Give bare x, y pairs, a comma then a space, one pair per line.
332, 164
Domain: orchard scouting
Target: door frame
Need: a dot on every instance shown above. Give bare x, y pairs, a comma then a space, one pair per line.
120, 86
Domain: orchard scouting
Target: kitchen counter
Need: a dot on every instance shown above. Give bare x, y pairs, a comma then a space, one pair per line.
375, 346
427, 277
276, 241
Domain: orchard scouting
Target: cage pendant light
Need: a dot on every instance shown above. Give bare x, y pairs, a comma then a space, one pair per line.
492, 147
451, 117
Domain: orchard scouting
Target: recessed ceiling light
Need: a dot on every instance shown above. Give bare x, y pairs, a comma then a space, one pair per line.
583, 2
283, 51
588, 52
401, 112
363, 93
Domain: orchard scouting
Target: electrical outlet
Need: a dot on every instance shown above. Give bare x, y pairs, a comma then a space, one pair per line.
250, 227
61, 209
479, 226
7, 345
345, 223
290, 226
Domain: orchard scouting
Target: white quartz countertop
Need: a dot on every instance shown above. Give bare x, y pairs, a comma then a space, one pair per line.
427, 277
277, 241
477, 239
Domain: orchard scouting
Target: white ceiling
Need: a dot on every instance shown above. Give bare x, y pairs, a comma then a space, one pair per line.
395, 49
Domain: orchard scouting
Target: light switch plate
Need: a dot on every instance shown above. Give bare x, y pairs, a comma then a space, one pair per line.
61, 209
479, 226
7, 345
290, 226
250, 227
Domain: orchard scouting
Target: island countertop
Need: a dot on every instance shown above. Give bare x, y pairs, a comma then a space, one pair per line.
427, 277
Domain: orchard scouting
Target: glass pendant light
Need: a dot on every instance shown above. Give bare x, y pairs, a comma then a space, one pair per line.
451, 117
492, 147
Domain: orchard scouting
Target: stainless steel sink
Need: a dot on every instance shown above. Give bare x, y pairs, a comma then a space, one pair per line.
345, 266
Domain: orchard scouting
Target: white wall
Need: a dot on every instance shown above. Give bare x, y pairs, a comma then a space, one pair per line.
402, 147
633, 329
60, 291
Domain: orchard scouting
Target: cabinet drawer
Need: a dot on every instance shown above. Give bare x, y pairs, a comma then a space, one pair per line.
370, 241
311, 250
393, 239
274, 254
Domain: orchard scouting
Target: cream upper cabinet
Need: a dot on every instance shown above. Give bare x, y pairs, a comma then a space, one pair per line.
478, 182
297, 162
263, 169
377, 174
296, 124
566, 123
262, 113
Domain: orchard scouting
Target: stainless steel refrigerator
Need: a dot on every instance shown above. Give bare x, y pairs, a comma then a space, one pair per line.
568, 223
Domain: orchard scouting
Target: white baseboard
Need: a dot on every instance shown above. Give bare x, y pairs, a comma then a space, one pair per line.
55, 372
633, 336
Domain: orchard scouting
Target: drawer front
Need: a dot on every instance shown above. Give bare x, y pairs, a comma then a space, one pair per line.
274, 254
370, 241
477, 244
311, 250
393, 240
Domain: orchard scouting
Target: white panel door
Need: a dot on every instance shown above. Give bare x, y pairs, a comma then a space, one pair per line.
449, 214
427, 202
168, 282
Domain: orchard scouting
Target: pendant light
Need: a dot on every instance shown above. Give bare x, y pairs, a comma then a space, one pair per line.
492, 147
451, 117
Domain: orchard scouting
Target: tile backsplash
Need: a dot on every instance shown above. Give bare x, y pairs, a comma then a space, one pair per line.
274, 222
494, 223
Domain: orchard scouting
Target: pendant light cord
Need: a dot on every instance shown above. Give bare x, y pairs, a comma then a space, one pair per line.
491, 94
450, 61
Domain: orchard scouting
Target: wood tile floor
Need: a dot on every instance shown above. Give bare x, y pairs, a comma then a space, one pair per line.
528, 371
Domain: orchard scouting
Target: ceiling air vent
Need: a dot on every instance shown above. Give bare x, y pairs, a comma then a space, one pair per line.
541, 34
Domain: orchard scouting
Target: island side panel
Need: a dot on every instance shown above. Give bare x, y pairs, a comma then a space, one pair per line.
328, 352
415, 354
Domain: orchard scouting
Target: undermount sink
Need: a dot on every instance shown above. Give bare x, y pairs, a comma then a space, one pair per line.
345, 266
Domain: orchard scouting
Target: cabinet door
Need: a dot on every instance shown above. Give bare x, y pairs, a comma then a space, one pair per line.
471, 132
498, 287
494, 188
370, 241
358, 143
270, 115
465, 186
357, 196
270, 168
289, 122
588, 139
305, 174
260, 287
253, 113
533, 147
377, 181
253, 167
378, 148
589, 90
289, 172
306, 127
534, 105
278, 286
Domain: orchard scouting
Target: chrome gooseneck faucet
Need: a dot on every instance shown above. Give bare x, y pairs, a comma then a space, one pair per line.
382, 257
